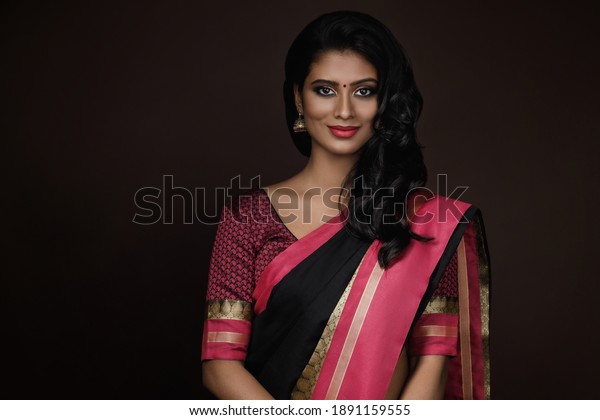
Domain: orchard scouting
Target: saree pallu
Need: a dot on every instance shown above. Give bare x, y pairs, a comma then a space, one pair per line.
327, 322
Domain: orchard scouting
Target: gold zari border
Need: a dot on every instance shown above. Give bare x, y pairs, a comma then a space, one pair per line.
236, 310
484, 296
465, 322
442, 305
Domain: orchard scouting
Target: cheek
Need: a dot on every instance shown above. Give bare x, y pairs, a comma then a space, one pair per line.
317, 109
366, 111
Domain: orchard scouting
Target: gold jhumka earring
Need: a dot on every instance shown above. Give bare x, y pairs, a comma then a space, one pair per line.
299, 124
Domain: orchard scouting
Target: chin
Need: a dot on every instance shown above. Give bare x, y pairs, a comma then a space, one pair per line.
341, 147
349, 149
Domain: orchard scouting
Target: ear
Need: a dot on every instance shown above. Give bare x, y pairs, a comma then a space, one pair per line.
298, 98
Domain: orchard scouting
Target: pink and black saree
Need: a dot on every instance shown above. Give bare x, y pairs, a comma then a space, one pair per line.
319, 318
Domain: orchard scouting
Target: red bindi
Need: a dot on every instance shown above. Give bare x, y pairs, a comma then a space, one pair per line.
344, 85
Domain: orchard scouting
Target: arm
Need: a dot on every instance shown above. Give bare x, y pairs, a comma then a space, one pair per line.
228, 317
427, 380
229, 380
434, 340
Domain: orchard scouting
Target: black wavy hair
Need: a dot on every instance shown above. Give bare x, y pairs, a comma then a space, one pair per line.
391, 163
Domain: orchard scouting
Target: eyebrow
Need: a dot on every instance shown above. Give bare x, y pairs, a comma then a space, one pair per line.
331, 82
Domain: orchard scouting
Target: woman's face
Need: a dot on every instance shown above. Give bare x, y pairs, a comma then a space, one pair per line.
339, 102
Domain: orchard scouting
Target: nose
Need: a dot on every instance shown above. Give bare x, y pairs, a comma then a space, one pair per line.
343, 107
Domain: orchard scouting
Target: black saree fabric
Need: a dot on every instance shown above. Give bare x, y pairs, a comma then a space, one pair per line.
286, 333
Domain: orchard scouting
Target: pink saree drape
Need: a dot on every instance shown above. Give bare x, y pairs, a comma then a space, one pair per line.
381, 306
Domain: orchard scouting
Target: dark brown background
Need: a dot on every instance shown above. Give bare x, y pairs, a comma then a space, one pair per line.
102, 99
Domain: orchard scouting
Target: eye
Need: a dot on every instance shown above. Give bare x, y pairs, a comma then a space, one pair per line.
364, 91
325, 91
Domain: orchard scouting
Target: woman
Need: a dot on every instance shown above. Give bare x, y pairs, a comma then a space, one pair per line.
382, 295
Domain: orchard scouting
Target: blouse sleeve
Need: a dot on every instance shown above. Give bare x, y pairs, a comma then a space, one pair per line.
436, 331
230, 284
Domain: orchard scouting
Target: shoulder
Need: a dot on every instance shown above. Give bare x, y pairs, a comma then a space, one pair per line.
420, 197
243, 216
423, 204
247, 204
251, 212
424, 201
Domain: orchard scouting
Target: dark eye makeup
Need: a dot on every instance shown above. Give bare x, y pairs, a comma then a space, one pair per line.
363, 92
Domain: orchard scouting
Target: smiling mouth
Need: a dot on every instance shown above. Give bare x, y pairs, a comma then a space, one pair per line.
343, 131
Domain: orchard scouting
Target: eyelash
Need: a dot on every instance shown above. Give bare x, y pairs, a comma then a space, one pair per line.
319, 91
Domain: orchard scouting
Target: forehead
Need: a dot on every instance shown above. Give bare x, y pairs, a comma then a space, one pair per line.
341, 66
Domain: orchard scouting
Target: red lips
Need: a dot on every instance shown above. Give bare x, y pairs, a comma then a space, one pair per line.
343, 131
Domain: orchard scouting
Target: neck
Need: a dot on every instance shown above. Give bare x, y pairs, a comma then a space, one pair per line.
325, 170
